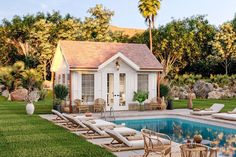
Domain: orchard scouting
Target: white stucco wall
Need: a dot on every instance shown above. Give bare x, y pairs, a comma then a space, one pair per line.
59, 66
100, 82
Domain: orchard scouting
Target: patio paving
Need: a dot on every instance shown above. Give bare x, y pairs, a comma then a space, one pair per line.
180, 113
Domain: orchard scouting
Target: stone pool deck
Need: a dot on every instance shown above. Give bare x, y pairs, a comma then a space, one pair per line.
177, 113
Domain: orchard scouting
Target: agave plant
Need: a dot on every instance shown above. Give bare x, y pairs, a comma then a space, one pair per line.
60, 91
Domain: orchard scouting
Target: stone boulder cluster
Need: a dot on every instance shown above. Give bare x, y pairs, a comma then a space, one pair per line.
205, 90
19, 94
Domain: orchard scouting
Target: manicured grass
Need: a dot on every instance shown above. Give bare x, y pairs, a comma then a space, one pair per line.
230, 104
31, 136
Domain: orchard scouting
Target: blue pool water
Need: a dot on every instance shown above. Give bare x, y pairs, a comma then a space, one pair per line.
179, 130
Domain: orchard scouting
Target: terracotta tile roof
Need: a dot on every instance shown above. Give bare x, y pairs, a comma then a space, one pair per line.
84, 54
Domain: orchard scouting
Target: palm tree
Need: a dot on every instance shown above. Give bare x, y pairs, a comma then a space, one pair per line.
149, 9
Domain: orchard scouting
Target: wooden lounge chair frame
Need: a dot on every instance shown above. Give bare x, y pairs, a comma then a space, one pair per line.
60, 118
117, 145
72, 125
92, 134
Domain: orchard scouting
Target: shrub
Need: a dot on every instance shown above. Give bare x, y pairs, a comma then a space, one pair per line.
164, 90
221, 80
43, 93
185, 79
60, 91
6, 78
140, 96
31, 79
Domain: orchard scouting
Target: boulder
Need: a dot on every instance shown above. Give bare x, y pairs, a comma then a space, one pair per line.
215, 95
174, 92
193, 95
228, 94
219, 94
5, 93
2, 87
233, 89
202, 88
19, 94
183, 95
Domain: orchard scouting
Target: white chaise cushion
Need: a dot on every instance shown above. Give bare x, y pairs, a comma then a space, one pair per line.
225, 116
217, 107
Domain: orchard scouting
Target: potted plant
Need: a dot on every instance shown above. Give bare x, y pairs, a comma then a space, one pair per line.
31, 80
169, 103
164, 92
61, 92
140, 96
30, 99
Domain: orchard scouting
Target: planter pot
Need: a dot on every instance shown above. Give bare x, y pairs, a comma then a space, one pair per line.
169, 104
57, 107
141, 106
30, 108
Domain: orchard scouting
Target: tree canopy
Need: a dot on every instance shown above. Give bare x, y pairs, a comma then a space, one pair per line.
189, 45
33, 38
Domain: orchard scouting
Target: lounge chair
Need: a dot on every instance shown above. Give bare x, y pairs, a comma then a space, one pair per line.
81, 106
99, 105
227, 116
77, 124
121, 143
60, 118
84, 118
95, 132
73, 123
156, 143
215, 108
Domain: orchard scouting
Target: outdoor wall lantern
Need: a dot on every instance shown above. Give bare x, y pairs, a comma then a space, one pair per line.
117, 65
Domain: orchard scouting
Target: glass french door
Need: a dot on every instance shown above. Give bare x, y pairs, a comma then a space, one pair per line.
116, 91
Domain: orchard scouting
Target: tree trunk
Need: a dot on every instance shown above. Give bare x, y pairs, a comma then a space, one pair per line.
226, 67
150, 34
45, 71
153, 22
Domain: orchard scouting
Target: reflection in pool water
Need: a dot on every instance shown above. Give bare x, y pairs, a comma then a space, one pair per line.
179, 130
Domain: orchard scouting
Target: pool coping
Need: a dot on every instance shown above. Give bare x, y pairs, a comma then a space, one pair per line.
200, 119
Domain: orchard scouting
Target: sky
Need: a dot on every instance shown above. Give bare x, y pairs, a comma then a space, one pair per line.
126, 11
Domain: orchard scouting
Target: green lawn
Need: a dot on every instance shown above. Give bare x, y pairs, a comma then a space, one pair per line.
26, 136
230, 104
32, 136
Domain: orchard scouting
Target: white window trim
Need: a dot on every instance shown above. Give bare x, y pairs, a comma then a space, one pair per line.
84, 73
147, 79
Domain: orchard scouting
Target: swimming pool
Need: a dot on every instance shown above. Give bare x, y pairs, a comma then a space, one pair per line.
179, 130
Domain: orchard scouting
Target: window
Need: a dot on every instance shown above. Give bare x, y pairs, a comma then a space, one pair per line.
88, 87
59, 78
63, 78
143, 82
